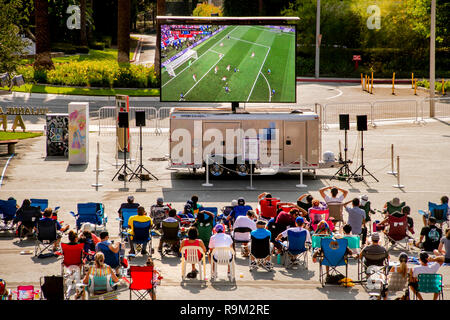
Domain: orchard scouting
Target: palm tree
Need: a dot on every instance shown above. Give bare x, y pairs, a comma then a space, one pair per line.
160, 11
123, 31
43, 51
83, 34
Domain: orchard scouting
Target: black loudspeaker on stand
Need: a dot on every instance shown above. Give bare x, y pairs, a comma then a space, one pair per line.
123, 123
344, 171
361, 122
140, 122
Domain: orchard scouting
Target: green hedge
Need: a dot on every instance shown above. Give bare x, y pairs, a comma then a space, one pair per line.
382, 61
68, 48
106, 74
437, 85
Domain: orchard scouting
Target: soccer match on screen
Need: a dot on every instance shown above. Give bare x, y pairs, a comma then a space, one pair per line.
213, 63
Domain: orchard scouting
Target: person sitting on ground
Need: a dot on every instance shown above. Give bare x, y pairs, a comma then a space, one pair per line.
305, 205
141, 217
130, 204
372, 250
99, 269
191, 241
109, 249
5, 293
444, 200
444, 247
156, 276
220, 240
432, 234
260, 233
357, 219
428, 265
244, 222
335, 198
48, 217
398, 275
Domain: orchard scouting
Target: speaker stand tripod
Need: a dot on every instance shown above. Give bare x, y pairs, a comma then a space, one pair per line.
343, 171
124, 166
362, 166
138, 171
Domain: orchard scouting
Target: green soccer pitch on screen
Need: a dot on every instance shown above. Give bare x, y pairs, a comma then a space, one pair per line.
228, 63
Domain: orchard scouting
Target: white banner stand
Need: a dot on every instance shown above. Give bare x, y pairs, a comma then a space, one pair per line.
301, 185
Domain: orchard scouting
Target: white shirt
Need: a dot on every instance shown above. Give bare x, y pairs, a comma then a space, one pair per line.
338, 199
220, 240
243, 222
429, 268
297, 229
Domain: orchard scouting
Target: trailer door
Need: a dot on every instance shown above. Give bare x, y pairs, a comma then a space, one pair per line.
232, 142
294, 142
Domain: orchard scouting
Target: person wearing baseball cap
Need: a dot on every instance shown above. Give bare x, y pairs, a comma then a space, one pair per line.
299, 221
374, 254
130, 204
220, 240
428, 265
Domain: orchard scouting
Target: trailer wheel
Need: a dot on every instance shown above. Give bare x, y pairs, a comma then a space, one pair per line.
215, 170
243, 169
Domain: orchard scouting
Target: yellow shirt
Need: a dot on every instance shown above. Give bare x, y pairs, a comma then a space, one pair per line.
137, 218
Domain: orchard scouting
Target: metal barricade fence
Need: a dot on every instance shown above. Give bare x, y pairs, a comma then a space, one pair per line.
331, 111
395, 110
441, 107
107, 118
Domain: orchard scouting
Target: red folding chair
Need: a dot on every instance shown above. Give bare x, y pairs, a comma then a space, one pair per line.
317, 215
72, 259
268, 208
141, 281
397, 233
26, 292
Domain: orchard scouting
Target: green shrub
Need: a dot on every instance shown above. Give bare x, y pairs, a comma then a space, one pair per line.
97, 45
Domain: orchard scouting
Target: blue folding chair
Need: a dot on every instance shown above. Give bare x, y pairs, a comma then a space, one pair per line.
111, 259
42, 204
7, 213
296, 249
123, 225
90, 212
334, 254
438, 211
240, 211
142, 237
212, 210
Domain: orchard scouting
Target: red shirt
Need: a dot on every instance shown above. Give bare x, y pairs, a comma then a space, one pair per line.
285, 218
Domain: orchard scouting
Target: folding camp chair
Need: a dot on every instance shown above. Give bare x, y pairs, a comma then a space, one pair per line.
142, 237
334, 254
240, 211
141, 281
170, 238
317, 215
214, 211
73, 262
28, 220
123, 221
296, 249
223, 256
46, 236
111, 259
26, 293
7, 214
397, 233
430, 283
261, 253
90, 212
267, 208
380, 260
52, 287
189, 255
438, 211
335, 213
391, 209
42, 204
240, 230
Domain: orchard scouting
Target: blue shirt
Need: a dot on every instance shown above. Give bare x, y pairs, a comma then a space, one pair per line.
261, 233
58, 225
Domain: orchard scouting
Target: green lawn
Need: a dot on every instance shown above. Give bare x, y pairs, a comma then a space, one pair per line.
252, 83
18, 135
94, 55
34, 88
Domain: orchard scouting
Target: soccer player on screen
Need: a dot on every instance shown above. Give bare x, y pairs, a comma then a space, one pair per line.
268, 71
253, 54
194, 77
181, 96
216, 69
227, 90
273, 92
228, 67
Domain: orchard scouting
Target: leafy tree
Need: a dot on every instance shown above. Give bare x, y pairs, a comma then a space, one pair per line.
11, 44
206, 10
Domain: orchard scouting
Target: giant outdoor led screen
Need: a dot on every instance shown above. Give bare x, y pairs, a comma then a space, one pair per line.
227, 63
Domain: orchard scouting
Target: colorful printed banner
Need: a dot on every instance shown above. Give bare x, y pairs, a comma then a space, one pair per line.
78, 133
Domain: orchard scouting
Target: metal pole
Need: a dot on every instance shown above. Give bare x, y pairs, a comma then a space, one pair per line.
392, 161
251, 176
317, 40
301, 185
97, 168
207, 184
432, 56
398, 185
